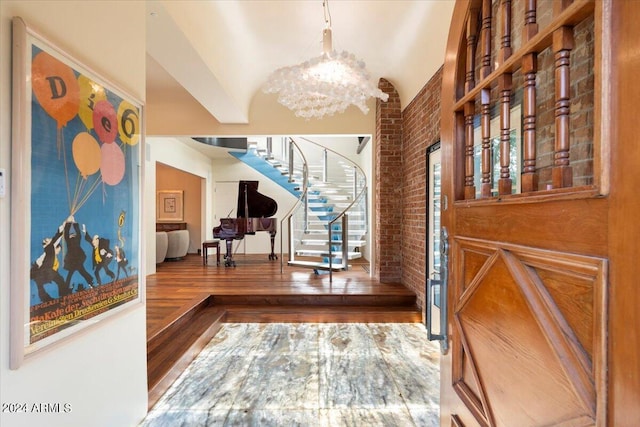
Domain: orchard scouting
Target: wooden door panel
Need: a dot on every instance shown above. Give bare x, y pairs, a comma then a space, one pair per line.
560, 224
528, 343
474, 259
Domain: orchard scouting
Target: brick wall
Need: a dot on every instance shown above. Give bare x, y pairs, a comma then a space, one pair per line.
388, 185
403, 138
421, 128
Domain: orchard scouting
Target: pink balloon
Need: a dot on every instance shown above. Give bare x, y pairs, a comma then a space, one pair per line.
105, 121
111, 164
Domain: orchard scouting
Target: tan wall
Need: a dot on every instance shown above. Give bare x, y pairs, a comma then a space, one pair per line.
168, 178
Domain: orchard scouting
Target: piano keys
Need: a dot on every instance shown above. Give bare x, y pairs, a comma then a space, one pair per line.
254, 212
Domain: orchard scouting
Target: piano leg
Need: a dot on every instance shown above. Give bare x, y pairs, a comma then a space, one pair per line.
228, 258
272, 255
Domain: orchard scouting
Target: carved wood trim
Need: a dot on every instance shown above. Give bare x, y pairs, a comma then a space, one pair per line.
485, 99
563, 43
485, 69
469, 188
566, 13
529, 181
530, 20
505, 85
573, 14
582, 372
505, 37
472, 36
564, 342
455, 421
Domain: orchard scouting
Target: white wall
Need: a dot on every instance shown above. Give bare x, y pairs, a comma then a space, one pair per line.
101, 372
227, 173
172, 152
218, 174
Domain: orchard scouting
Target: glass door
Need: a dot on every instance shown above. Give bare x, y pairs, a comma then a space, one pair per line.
433, 298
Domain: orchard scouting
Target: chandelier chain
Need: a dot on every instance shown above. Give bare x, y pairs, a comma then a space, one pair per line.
327, 13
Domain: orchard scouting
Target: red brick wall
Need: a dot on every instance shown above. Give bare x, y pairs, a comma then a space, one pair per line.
403, 138
388, 185
421, 128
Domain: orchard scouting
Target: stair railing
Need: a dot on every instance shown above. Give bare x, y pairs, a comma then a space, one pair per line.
359, 198
344, 217
288, 218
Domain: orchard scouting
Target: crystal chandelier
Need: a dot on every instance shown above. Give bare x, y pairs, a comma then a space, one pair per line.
326, 84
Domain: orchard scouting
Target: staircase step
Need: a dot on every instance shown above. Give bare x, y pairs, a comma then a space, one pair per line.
336, 197
320, 242
316, 265
352, 222
316, 205
325, 253
335, 233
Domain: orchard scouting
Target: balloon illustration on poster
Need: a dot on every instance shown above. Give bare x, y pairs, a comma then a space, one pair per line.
104, 122
111, 164
128, 123
57, 90
63, 96
90, 94
86, 156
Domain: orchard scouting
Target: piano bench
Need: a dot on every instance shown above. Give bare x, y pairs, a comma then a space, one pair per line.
210, 244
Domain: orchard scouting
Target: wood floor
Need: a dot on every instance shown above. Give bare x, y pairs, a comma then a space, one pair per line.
187, 302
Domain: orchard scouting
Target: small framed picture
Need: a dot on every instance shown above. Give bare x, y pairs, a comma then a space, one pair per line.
170, 206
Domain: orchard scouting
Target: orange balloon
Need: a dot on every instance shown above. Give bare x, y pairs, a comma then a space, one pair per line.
55, 87
86, 154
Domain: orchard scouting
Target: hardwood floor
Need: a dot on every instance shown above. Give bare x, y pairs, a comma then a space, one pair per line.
187, 302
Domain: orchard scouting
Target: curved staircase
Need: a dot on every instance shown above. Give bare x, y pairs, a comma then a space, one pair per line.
328, 226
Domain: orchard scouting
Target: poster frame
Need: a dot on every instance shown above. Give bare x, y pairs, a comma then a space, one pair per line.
59, 315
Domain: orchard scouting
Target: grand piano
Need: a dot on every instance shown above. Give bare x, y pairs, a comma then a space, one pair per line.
254, 214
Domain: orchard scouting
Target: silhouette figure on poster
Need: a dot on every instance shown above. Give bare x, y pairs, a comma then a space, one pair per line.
122, 261
101, 255
75, 257
45, 268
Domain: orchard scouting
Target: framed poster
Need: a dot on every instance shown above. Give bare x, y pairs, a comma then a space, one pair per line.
170, 206
75, 238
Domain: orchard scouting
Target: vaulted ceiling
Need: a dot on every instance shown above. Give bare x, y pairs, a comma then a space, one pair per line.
221, 52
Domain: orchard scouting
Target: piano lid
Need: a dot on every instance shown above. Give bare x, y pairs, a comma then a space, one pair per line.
252, 204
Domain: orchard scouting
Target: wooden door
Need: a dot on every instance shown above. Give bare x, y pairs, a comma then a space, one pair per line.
527, 210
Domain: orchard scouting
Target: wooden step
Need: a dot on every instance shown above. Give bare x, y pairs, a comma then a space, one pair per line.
185, 298
328, 314
173, 348
404, 299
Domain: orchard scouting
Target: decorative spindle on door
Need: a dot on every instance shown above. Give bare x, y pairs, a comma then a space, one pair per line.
515, 114
562, 45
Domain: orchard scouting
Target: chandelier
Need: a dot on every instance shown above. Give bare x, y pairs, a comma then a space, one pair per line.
326, 84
